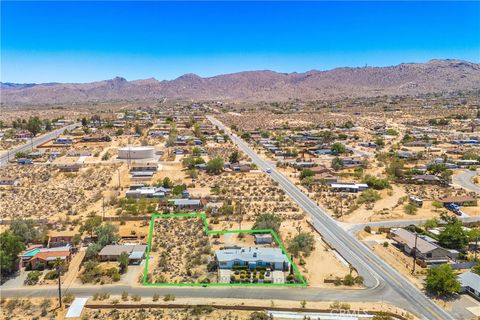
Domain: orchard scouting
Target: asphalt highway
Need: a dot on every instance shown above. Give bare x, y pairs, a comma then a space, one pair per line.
6, 156
374, 270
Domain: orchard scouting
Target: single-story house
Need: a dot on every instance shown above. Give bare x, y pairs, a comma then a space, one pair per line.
147, 192
64, 140
141, 167
263, 238
425, 178
460, 200
303, 164
320, 169
348, 187
467, 162
36, 255
325, 177
60, 238
193, 204
112, 252
24, 161
74, 167
351, 162
273, 258
429, 253
23, 134
35, 154
47, 258
470, 283
96, 139
142, 175
4, 181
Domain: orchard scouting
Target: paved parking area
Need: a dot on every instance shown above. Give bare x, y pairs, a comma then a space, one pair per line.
465, 307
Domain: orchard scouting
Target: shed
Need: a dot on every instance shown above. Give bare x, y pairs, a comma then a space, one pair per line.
263, 238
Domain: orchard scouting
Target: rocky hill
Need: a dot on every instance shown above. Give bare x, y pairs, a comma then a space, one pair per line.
407, 78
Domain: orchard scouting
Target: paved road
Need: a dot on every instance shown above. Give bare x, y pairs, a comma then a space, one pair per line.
5, 156
464, 180
271, 293
374, 270
354, 227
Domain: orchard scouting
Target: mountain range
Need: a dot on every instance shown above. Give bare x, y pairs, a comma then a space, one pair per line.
264, 85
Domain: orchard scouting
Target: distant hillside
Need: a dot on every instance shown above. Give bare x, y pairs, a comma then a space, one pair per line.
407, 78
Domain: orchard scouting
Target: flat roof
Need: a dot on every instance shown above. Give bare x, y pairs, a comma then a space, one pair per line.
185, 202
76, 308
252, 254
470, 279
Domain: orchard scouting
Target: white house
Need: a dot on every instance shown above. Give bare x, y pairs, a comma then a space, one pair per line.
273, 258
470, 283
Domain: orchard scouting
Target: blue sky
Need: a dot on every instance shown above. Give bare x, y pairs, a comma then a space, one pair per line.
88, 41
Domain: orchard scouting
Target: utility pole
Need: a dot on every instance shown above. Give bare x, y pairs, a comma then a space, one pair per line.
59, 286
59, 266
118, 172
415, 253
476, 248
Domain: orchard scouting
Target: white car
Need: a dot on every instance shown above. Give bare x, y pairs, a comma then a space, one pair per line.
268, 170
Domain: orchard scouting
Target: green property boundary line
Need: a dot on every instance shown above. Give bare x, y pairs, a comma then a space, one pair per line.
208, 232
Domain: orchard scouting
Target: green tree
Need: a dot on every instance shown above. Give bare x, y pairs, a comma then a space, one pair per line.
369, 196
84, 122
392, 132
395, 168
34, 125
476, 268
10, 246
215, 165
453, 236
196, 151
234, 157
123, 262
106, 234
442, 280
410, 209
167, 183
303, 242
267, 221
431, 223
27, 232
338, 148
48, 125
91, 224
188, 162
306, 173
138, 129
376, 183
337, 163
246, 136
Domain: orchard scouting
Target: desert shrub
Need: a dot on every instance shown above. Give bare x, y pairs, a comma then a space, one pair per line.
50, 275
68, 298
33, 277
303, 242
169, 297
369, 196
